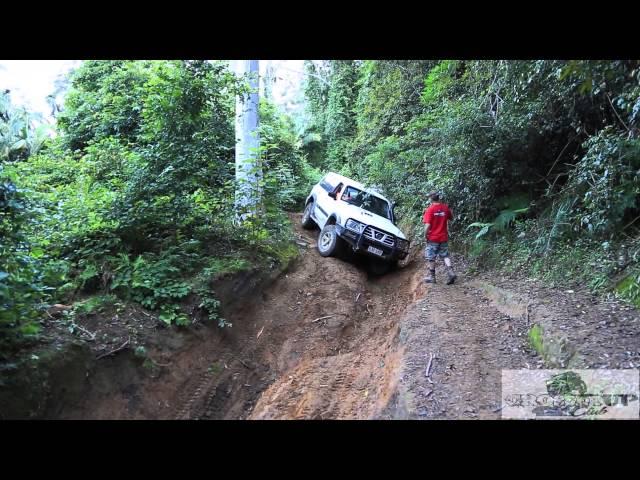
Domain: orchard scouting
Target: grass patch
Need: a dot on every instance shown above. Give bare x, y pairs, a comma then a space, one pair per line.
629, 288
217, 267
95, 304
568, 263
535, 339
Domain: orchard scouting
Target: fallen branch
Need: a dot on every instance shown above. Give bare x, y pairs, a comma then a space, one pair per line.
427, 391
322, 318
428, 372
357, 297
429, 365
92, 336
260, 332
328, 316
121, 347
245, 365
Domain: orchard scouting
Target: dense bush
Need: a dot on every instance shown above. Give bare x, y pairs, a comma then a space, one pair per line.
546, 148
135, 196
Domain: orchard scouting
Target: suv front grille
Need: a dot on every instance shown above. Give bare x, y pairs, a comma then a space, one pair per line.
379, 236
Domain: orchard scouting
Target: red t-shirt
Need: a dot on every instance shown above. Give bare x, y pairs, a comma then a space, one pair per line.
437, 215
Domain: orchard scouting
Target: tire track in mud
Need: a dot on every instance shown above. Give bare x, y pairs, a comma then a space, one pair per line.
356, 382
188, 407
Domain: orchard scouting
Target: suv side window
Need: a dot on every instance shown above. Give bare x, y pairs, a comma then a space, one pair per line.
351, 195
326, 185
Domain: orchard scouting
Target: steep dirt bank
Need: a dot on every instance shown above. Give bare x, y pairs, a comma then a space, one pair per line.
119, 363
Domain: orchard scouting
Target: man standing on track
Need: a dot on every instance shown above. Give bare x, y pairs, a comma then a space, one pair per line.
436, 219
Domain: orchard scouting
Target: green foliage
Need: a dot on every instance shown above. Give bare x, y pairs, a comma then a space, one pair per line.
140, 352
629, 288
150, 280
535, 336
20, 136
484, 228
134, 199
438, 81
559, 140
504, 220
170, 313
606, 182
316, 90
25, 278
95, 304
23, 292
288, 177
331, 90
210, 305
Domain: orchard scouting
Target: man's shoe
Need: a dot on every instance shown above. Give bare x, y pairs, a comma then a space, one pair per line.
451, 277
430, 278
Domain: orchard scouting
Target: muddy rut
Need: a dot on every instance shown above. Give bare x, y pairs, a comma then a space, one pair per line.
320, 343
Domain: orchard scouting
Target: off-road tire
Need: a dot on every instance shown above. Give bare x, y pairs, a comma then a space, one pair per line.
307, 221
329, 243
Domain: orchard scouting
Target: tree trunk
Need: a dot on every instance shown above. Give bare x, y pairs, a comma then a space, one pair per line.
248, 167
269, 79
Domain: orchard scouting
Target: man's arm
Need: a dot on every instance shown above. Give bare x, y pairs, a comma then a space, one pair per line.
426, 219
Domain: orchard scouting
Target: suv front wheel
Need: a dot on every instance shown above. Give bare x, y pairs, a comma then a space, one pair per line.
329, 244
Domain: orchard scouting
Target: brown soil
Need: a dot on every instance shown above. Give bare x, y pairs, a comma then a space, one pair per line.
327, 341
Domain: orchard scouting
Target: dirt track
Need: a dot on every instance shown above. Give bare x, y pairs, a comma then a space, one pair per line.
329, 342
326, 341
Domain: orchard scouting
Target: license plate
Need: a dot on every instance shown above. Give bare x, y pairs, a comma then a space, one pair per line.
377, 251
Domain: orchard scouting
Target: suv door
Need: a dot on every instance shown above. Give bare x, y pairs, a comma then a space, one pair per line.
324, 203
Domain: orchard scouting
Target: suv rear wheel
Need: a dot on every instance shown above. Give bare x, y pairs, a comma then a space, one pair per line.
307, 221
329, 244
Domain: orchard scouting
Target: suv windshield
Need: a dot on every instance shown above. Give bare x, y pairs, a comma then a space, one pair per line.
366, 201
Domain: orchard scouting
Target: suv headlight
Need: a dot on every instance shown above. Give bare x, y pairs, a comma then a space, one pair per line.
403, 245
355, 225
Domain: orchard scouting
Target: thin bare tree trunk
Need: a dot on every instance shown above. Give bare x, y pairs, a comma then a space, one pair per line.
248, 167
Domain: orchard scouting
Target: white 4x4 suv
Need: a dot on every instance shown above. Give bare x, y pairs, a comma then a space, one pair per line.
350, 214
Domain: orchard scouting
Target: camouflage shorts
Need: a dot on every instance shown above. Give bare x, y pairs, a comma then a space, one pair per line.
435, 249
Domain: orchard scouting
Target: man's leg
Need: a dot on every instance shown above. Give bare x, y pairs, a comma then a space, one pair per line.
451, 277
430, 254
431, 273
